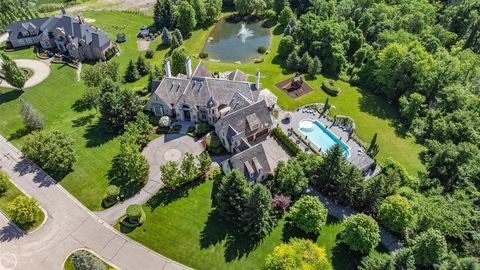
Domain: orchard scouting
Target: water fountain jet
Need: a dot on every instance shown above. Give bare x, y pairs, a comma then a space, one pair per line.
244, 33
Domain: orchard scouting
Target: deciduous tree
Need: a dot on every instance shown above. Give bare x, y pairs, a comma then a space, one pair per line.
308, 214
361, 233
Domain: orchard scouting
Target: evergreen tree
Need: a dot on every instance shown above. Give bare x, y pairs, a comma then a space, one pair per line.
179, 35
257, 218
166, 37
326, 106
179, 56
142, 66
286, 46
175, 43
232, 196
373, 147
163, 14
430, 248
349, 188
279, 5
214, 10
12, 73
186, 21
131, 74
293, 61
32, 119
314, 68
200, 11
286, 16
155, 74
331, 170
306, 61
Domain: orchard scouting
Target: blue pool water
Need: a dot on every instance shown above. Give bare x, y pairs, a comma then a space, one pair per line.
321, 136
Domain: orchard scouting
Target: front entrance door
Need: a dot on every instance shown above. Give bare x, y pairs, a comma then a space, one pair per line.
186, 115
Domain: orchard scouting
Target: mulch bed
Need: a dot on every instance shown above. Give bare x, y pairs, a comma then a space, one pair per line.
294, 93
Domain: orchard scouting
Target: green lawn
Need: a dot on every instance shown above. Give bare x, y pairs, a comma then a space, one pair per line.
11, 194
69, 264
184, 227
56, 96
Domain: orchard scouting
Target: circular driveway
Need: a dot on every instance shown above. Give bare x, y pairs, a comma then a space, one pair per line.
40, 72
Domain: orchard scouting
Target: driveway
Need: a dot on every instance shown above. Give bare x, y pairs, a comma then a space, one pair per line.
69, 226
40, 71
171, 147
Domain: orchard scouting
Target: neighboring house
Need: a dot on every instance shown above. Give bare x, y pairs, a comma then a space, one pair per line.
230, 103
70, 35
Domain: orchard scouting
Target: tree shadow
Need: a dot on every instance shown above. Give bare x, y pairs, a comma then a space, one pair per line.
291, 231
82, 121
214, 231
344, 258
20, 133
10, 95
166, 196
80, 106
10, 232
279, 30
96, 135
377, 106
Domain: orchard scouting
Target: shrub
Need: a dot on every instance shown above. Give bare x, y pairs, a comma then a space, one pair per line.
3, 183
23, 210
430, 248
297, 254
262, 50
203, 54
165, 121
52, 150
396, 213
135, 214
214, 144
329, 88
201, 129
280, 136
112, 193
149, 53
281, 203
32, 119
83, 259
258, 60
361, 233
308, 214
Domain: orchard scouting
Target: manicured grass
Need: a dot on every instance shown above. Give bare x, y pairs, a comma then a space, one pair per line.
184, 227
11, 194
69, 264
55, 97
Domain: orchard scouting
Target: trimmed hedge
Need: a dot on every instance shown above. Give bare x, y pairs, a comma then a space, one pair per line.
329, 88
281, 137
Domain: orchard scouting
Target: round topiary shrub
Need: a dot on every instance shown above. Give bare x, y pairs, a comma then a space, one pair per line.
165, 121
112, 193
135, 214
361, 233
203, 55
262, 50
329, 88
149, 53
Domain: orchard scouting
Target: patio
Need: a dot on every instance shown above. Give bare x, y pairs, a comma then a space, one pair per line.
357, 157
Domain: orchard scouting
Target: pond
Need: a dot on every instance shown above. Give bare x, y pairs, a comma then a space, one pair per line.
232, 42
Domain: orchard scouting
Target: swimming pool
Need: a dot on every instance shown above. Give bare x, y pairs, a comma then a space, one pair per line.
321, 136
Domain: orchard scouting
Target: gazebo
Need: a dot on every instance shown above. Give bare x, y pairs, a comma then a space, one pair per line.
269, 97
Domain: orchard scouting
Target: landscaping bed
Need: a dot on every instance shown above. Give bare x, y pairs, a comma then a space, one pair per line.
11, 194
68, 265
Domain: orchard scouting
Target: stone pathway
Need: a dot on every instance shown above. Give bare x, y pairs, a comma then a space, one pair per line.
170, 147
69, 226
388, 240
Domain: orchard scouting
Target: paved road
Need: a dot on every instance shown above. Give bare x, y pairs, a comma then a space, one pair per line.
388, 240
157, 152
40, 71
69, 226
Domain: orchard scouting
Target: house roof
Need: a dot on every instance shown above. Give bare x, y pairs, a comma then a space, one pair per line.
206, 91
78, 30
239, 121
252, 162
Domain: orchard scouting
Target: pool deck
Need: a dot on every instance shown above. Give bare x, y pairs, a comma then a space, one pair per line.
358, 158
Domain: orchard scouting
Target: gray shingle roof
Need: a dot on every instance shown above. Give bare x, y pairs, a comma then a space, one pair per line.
237, 120
252, 162
71, 26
